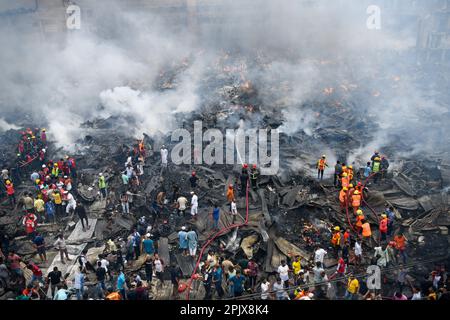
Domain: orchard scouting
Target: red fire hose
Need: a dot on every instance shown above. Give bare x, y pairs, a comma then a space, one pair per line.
215, 236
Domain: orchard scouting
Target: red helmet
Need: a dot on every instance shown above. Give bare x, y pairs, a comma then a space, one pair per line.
245, 166
230, 186
193, 173
359, 183
254, 166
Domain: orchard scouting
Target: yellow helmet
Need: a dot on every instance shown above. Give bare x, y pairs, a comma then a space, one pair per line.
356, 192
377, 159
344, 174
345, 188
336, 228
350, 185
8, 182
33, 137
359, 212
350, 167
38, 181
43, 130
383, 216
55, 164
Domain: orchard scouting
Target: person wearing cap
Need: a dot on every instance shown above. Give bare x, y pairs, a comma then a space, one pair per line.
147, 245
192, 239
193, 180
182, 239
336, 239
194, 205
320, 166
254, 174
352, 288
102, 186
383, 227
164, 154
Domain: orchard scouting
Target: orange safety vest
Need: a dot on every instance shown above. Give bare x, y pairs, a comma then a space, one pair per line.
356, 200
344, 169
350, 174
321, 164
400, 242
345, 182
230, 194
384, 225
114, 296
336, 240
366, 232
342, 196
10, 189
359, 220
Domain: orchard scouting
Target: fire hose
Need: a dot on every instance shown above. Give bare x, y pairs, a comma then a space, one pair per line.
215, 236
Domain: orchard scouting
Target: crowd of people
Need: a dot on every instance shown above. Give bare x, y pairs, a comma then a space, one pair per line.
50, 197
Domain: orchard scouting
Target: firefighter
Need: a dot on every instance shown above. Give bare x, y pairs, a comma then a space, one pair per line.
366, 231
254, 177
356, 201
343, 197
321, 164
376, 167
344, 180
337, 173
244, 178
11, 193
359, 220
383, 227
350, 173
336, 239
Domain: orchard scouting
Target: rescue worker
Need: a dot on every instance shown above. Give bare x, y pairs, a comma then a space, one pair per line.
11, 193
254, 177
383, 227
359, 220
337, 173
343, 197
376, 154
400, 246
376, 167
356, 201
230, 193
55, 171
321, 164
102, 186
344, 180
366, 231
244, 179
350, 173
336, 239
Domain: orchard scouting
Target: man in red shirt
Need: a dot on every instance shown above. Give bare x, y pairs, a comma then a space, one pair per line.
37, 273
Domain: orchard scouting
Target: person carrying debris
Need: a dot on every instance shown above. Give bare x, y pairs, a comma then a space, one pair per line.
10, 192
164, 154
320, 166
102, 186
254, 174
60, 244
376, 167
337, 173
194, 205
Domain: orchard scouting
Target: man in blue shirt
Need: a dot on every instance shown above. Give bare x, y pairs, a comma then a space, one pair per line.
217, 280
147, 245
238, 283
39, 243
367, 170
216, 217
183, 243
121, 285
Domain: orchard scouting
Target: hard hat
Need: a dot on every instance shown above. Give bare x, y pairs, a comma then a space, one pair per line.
377, 159
245, 165
100, 174
345, 188
383, 216
350, 167
55, 164
38, 181
8, 182
359, 183
254, 166
344, 174
356, 192
193, 173
359, 212
44, 166
33, 137
67, 157
65, 177
324, 156
336, 228
350, 185
43, 130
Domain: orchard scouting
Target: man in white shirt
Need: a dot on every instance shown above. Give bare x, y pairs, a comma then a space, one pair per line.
265, 288
164, 153
194, 205
181, 202
319, 255
358, 252
233, 208
283, 271
71, 203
